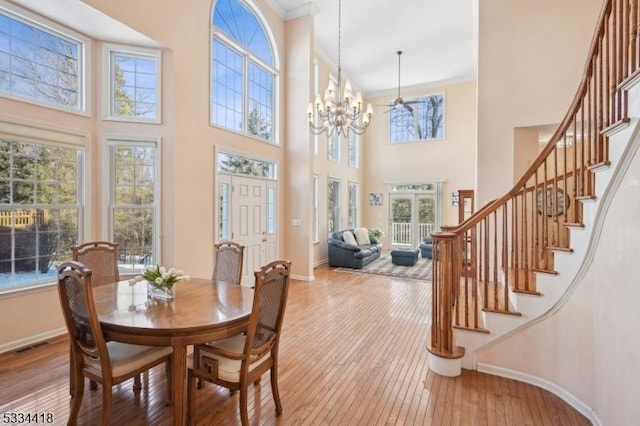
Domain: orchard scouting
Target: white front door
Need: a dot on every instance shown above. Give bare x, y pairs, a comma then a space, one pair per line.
248, 222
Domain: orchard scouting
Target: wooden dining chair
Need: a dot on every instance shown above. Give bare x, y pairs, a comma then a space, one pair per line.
101, 257
107, 363
237, 361
228, 262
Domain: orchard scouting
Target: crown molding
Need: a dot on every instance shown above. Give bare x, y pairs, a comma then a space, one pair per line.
302, 10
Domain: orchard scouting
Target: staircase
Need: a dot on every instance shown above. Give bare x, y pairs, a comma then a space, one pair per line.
515, 261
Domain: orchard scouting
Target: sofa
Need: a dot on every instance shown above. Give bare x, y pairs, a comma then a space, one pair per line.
426, 248
354, 252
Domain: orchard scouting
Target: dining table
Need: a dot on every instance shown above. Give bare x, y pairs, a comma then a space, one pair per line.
202, 311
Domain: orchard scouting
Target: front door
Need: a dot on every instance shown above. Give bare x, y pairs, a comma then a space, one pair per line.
247, 209
248, 223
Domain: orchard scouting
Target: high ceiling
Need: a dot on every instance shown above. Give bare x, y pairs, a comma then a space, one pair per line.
437, 36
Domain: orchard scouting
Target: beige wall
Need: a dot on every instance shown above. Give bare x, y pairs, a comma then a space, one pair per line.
298, 200
530, 60
451, 159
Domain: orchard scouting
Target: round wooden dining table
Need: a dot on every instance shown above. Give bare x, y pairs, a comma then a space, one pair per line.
202, 311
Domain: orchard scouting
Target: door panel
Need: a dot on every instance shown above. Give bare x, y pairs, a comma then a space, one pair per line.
248, 209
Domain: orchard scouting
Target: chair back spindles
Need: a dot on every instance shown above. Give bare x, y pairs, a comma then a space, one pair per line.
228, 262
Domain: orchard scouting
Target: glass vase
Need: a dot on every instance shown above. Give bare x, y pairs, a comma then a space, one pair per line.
160, 292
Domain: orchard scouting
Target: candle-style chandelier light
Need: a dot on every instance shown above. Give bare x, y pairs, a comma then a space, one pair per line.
339, 114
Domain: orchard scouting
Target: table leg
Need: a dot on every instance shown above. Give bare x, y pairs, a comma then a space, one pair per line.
179, 368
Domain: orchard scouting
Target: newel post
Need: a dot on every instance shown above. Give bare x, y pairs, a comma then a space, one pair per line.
444, 356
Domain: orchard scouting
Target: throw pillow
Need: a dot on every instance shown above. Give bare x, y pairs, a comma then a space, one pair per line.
362, 236
348, 238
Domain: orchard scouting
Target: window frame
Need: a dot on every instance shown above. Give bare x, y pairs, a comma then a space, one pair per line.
394, 128
247, 58
109, 50
353, 208
43, 136
41, 23
334, 211
108, 196
353, 150
315, 226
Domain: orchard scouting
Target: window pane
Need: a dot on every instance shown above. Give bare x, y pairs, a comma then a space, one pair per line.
224, 214
39, 64
333, 206
135, 85
133, 204
419, 119
227, 95
39, 221
260, 120
236, 21
242, 89
353, 205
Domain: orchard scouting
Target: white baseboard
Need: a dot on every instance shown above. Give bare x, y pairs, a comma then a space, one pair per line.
302, 277
560, 392
28, 341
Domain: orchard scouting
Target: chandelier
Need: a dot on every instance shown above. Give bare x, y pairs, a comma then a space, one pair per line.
339, 114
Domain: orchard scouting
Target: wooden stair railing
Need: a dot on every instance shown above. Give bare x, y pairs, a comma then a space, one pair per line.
507, 241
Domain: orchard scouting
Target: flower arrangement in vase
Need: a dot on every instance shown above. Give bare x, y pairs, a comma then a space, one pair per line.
375, 233
161, 281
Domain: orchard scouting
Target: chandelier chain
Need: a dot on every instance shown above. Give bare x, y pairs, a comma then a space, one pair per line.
340, 112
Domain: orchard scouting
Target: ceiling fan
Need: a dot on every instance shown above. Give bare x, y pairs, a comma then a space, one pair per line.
399, 102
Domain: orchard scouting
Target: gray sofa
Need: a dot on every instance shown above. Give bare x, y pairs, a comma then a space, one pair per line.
349, 255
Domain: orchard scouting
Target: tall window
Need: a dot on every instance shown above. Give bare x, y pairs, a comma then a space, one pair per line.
333, 205
134, 84
354, 141
316, 137
316, 216
40, 64
133, 203
353, 205
419, 119
243, 71
40, 208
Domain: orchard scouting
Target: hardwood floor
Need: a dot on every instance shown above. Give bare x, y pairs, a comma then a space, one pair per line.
352, 353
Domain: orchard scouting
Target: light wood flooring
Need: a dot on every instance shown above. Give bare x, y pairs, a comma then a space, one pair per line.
352, 353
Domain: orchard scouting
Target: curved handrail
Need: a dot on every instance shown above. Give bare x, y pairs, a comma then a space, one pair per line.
502, 244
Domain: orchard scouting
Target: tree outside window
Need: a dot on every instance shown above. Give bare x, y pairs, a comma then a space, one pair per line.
419, 119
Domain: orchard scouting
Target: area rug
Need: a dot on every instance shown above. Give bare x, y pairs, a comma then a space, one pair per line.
383, 266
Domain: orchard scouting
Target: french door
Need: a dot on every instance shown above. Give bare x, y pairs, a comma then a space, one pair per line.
412, 217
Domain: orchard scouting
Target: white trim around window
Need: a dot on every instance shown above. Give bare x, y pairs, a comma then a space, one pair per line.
84, 82
108, 228
142, 84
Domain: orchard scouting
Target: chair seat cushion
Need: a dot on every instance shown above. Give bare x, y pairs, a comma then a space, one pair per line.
229, 369
126, 358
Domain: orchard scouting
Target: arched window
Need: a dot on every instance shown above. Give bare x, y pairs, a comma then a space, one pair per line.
243, 71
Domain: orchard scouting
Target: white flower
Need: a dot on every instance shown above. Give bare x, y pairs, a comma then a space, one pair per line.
172, 271
179, 272
163, 269
186, 277
158, 280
